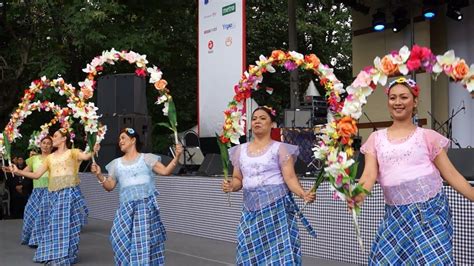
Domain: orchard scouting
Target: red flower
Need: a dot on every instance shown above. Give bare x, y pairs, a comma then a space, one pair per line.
141, 72
224, 140
418, 54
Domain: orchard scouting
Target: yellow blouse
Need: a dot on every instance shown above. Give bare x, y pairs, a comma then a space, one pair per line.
63, 169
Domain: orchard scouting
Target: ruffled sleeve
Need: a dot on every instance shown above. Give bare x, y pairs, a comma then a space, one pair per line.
369, 145
75, 153
435, 142
287, 151
234, 156
151, 159
110, 167
29, 162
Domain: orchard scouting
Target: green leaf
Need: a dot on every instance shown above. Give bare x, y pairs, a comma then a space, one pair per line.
224, 157
319, 179
353, 170
164, 124
359, 189
91, 140
8, 147
172, 116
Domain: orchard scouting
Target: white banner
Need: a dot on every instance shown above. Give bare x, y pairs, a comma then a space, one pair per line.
221, 59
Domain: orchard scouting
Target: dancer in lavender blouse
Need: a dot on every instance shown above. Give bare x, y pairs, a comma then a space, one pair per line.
268, 231
408, 162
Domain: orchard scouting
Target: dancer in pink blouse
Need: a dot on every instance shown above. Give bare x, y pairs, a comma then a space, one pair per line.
409, 163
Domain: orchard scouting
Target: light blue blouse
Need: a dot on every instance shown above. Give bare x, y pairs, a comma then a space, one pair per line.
135, 178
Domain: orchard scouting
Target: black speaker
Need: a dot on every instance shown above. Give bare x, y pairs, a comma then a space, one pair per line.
109, 146
166, 160
212, 166
121, 94
462, 159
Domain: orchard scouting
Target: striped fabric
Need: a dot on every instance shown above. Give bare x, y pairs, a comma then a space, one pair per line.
60, 242
36, 217
138, 235
270, 236
415, 234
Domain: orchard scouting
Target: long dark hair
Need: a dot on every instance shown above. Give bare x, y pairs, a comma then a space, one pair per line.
132, 133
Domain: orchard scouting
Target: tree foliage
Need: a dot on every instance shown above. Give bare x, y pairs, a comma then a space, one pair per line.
52, 38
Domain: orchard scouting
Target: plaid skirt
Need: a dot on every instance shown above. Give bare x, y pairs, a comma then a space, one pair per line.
138, 235
415, 234
36, 217
270, 236
60, 240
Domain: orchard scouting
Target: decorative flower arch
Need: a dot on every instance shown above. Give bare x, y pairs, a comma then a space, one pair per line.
96, 66
77, 108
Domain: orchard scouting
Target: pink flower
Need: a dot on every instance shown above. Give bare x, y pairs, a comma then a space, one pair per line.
290, 65
141, 72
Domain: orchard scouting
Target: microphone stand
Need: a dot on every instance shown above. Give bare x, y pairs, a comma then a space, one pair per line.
372, 123
449, 124
436, 123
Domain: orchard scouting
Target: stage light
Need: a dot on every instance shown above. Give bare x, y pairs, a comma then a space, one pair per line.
400, 19
378, 21
454, 13
429, 13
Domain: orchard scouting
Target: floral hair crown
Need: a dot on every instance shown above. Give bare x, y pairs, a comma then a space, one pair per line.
65, 131
271, 110
409, 82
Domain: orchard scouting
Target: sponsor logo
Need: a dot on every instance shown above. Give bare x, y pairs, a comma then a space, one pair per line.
228, 41
210, 15
228, 9
210, 30
228, 26
210, 45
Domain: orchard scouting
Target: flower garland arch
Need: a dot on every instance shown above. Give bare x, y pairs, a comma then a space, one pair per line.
76, 108
96, 66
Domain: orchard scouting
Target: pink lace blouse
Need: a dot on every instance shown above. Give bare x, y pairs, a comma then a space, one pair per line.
407, 173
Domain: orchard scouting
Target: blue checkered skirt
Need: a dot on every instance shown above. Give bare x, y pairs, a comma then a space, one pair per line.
415, 234
138, 235
36, 217
270, 236
60, 240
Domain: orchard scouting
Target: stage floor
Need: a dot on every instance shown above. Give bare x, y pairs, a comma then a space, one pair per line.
95, 249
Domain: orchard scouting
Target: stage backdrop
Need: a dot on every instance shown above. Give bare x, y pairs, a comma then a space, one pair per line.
221, 52
460, 39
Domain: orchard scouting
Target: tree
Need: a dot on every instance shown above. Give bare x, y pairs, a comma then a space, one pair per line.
46, 37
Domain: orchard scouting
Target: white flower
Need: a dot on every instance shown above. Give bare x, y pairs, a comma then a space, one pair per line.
155, 74
337, 163
296, 55
165, 108
353, 107
379, 76
161, 99
264, 62
141, 61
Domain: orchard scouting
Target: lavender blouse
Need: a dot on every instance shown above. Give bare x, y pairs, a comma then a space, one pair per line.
262, 181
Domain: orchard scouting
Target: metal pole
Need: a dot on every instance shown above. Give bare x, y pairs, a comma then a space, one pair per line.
293, 46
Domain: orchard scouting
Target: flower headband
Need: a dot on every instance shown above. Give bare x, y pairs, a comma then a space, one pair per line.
409, 82
65, 131
272, 111
130, 130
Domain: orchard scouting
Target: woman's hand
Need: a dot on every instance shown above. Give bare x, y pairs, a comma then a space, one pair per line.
95, 168
10, 169
309, 196
178, 149
227, 186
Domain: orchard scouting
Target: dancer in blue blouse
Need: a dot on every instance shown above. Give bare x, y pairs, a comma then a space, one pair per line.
138, 235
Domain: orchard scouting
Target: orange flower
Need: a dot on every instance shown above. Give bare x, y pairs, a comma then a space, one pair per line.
161, 84
278, 55
345, 128
88, 93
460, 70
312, 60
388, 67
